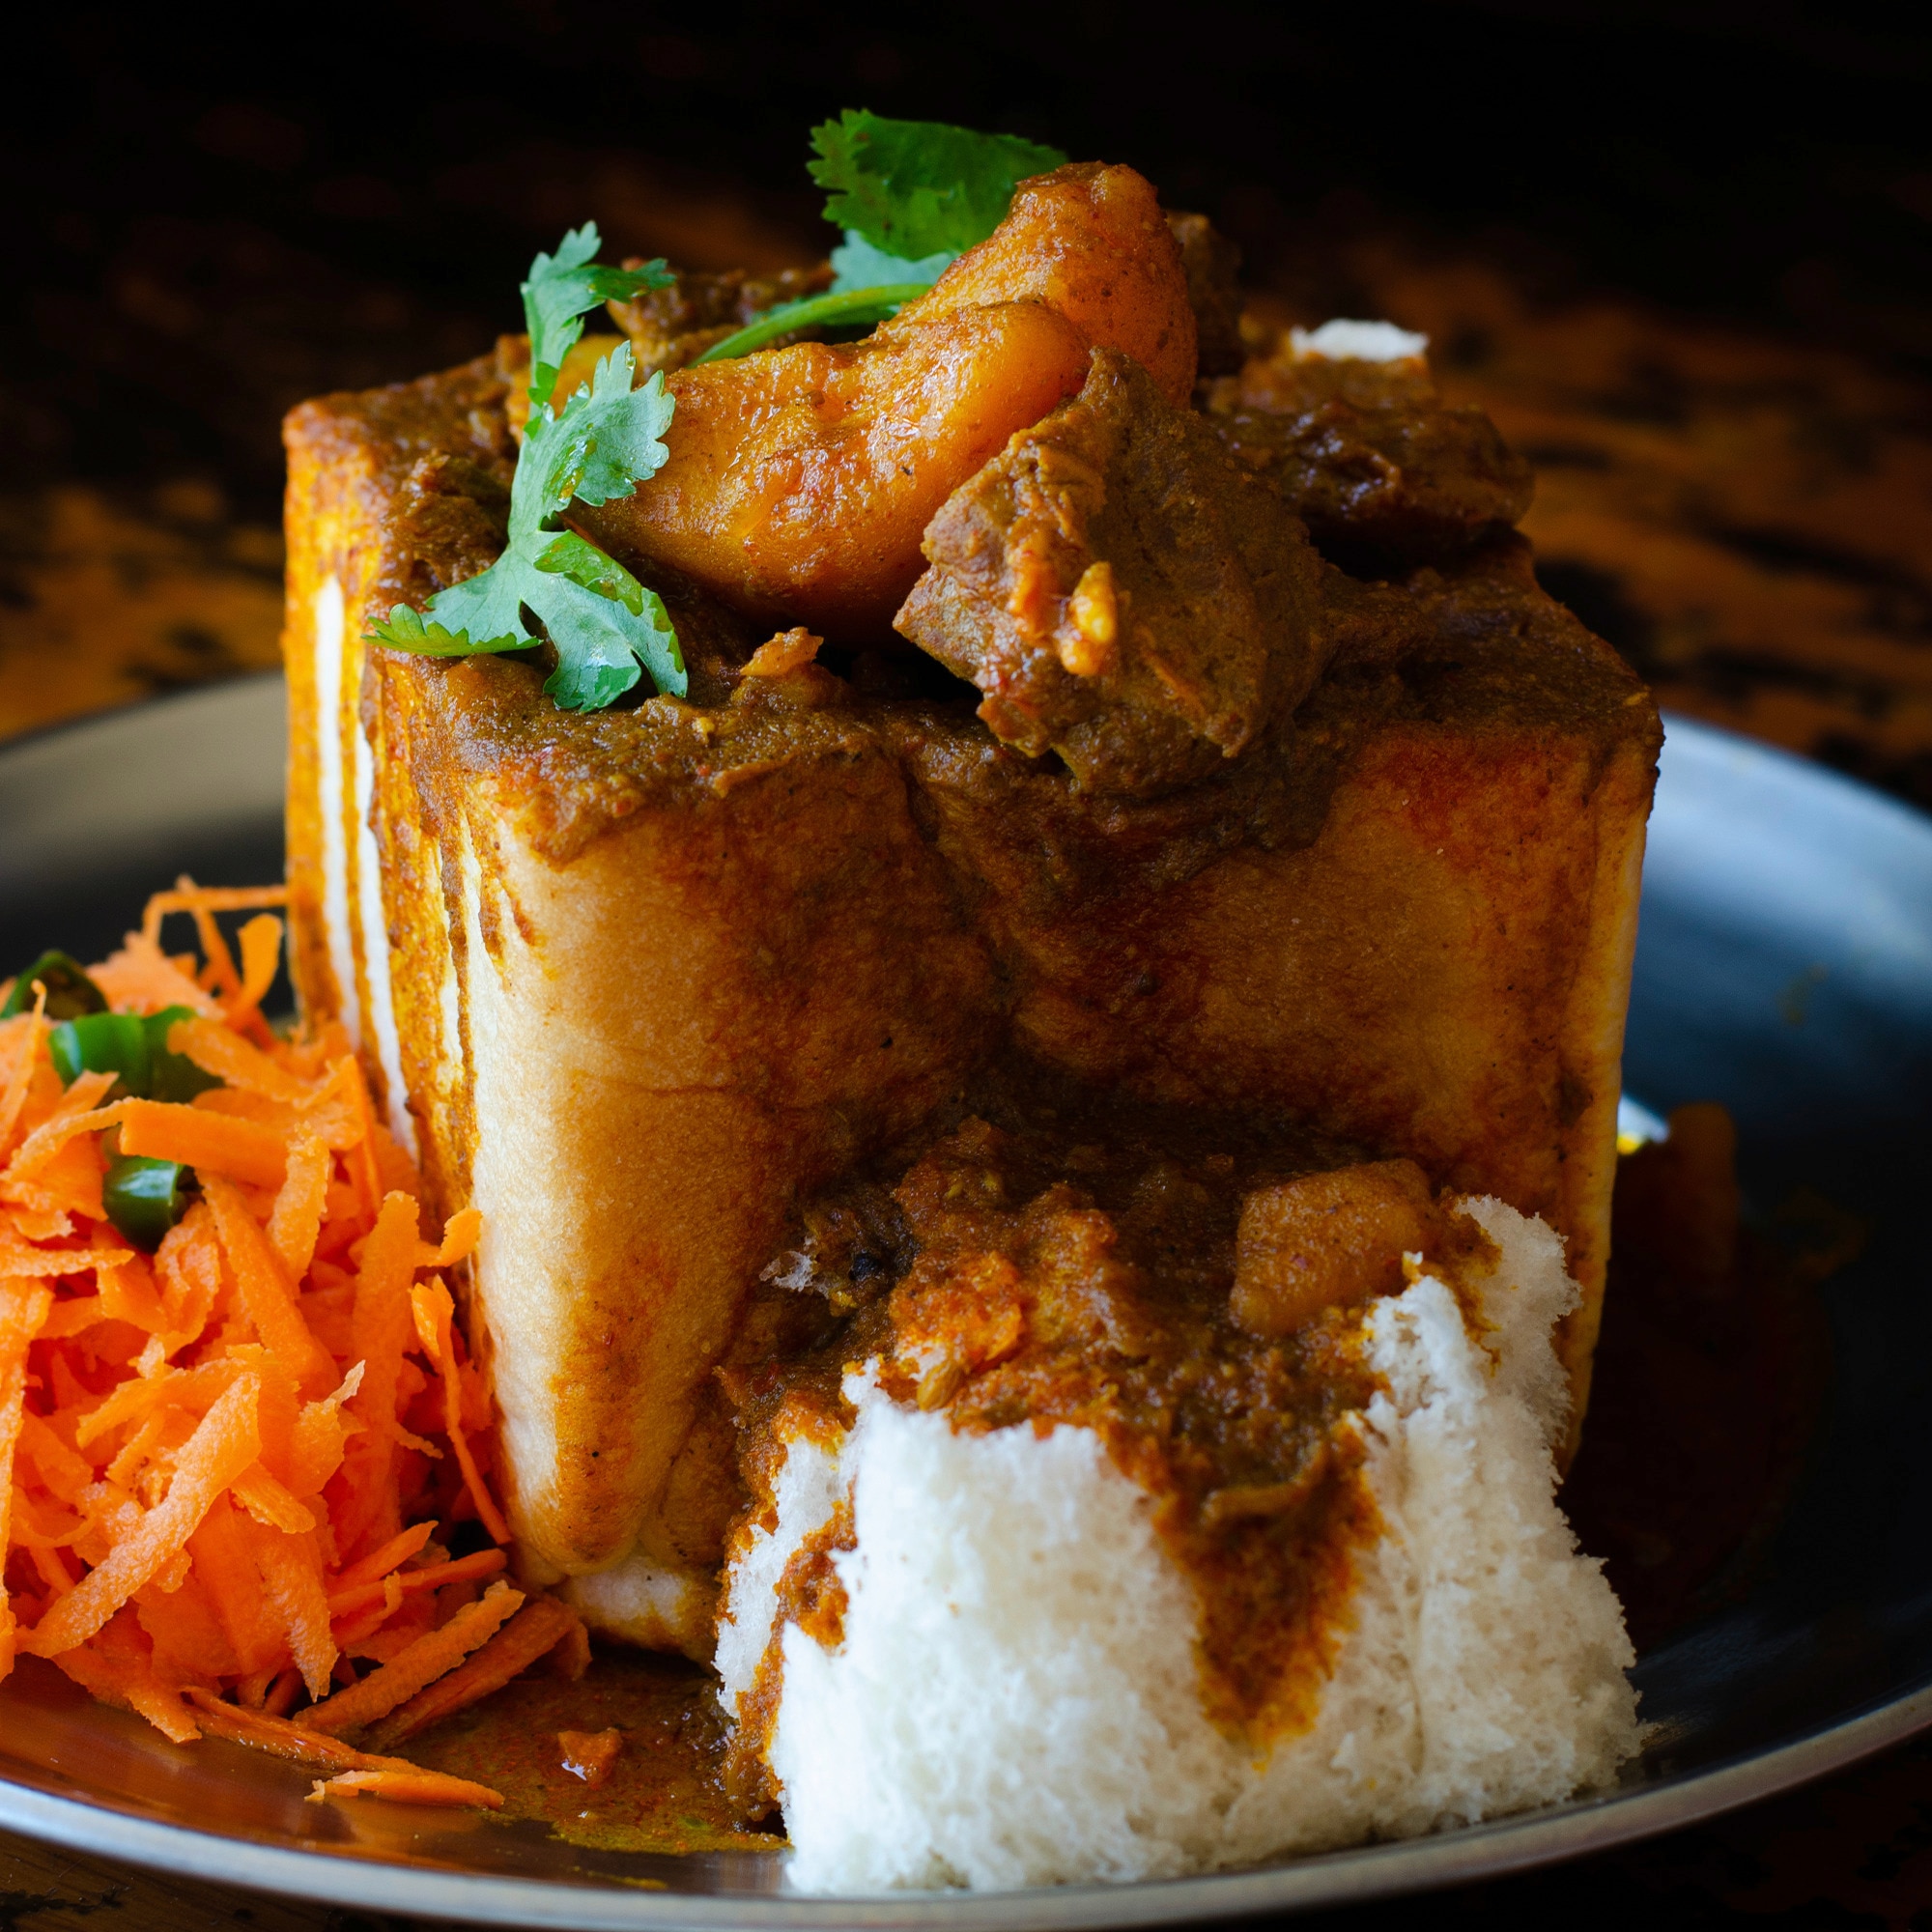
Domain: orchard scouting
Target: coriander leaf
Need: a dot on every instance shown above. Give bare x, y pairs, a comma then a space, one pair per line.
599, 640
602, 622
481, 614
605, 442
917, 194
562, 288
568, 555
404, 629
858, 265
915, 188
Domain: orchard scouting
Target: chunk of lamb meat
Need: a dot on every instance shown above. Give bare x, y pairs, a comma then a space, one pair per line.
1121, 590
1212, 264
1383, 472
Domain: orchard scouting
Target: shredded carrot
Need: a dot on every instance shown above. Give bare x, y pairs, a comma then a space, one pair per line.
23, 1036
432, 1577
270, 1733
135, 1401
265, 1289
188, 1262
369, 1621
219, 1050
459, 1242
225, 1562
49, 1137
269, 1502
207, 1142
61, 1472
21, 1258
119, 1669
378, 1564
187, 896
362, 1167
64, 1177
283, 1693
140, 978
261, 955
189, 1642
384, 1630
22, 1310
431, 1304
571, 1657
320, 1437
380, 1328
212, 1479
220, 971
290, 1572
408, 1787
300, 1205
423, 1662
127, 1292
223, 1444
536, 1629
267, 1731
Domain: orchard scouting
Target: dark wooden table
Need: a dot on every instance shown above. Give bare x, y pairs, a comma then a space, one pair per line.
1748, 518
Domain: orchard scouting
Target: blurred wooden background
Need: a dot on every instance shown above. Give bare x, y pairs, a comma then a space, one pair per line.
1682, 253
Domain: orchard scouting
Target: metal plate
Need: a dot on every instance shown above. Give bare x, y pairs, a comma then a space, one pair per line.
1784, 967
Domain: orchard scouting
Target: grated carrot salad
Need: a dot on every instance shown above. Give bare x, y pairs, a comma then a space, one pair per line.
229, 1470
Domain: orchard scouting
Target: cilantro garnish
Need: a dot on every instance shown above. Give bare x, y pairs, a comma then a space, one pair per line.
563, 288
857, 264
607, 439
917, 188
911, 197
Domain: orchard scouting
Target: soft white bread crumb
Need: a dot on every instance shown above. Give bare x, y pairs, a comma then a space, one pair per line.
643, 1604
805, 1493
1342, 341
1015, 1700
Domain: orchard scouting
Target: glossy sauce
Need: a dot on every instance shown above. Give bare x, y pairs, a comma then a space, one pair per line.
663, 1793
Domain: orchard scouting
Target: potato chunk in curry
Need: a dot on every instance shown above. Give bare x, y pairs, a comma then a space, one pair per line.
801, 481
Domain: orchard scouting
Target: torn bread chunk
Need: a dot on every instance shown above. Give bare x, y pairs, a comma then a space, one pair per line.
986, 1642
